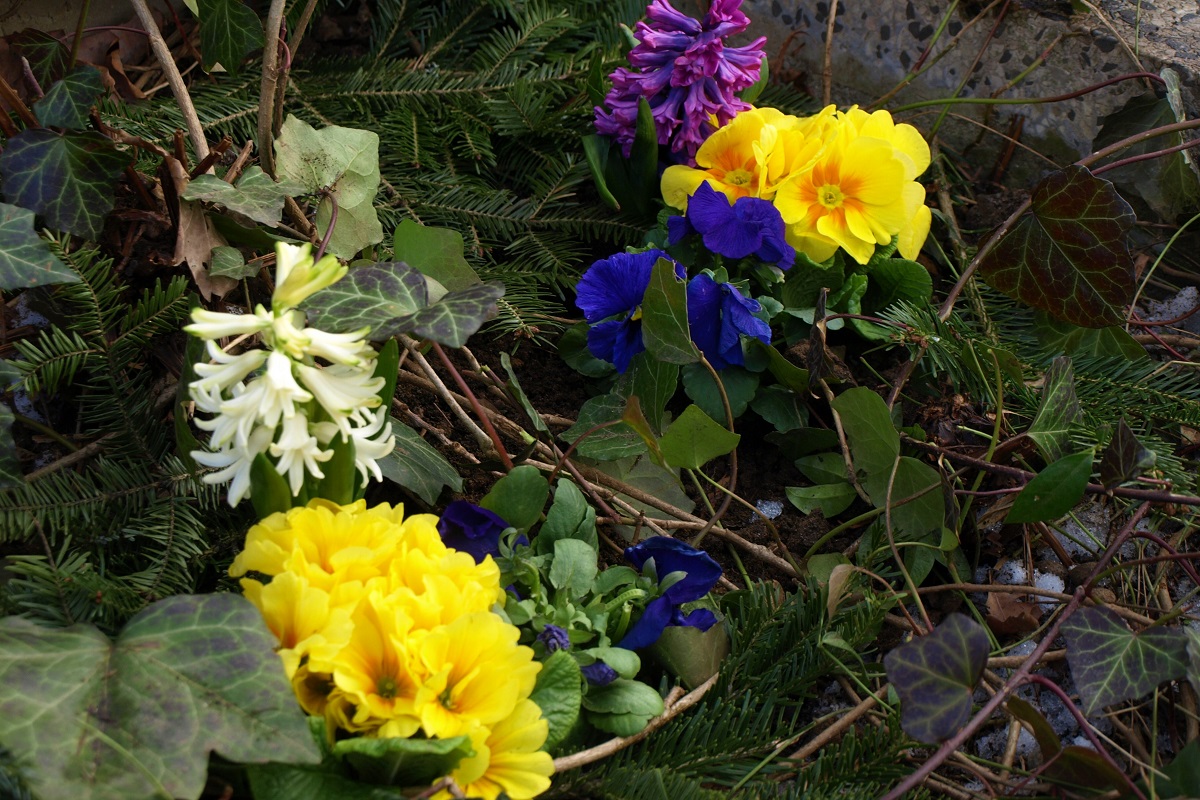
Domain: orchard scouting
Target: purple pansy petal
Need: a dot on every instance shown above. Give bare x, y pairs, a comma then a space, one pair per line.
612, 287
677, 228
599, 674
671, 555
701, 619
655, 617
471, 529
718, 315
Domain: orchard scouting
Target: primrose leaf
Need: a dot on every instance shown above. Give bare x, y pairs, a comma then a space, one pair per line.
1067, 255
664, 317
68, 101
558, 693
137, 718
436, 252
402, 762
935, 675
1125, 458
228, 32
873, 440
255, 195
896, 279
694, 439
570, 517
68, 179
1057, 411
1111, 663
25, 257
416, 466
518, 497
288, 782
1055, 490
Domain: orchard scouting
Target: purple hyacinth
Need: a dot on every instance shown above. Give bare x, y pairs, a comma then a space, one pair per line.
686, 72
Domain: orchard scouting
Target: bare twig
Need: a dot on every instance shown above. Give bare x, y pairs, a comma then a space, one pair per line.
266, 93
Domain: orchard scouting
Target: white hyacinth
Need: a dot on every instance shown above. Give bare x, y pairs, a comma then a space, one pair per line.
264, 401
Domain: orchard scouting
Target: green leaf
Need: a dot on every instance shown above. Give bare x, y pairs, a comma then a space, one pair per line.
625, 663
1073, 765
417, 466
341, 474
787, 373
690, 654
804, 281
228, 262
25, 257
559, 693
823, 467
740, 387
1183, 773
751, 92
519, 497
254, 195
608, 443
573, 349
831, 498
1055, 491
68, 101
289, 782
1125, 458
269, 492
896, 279
137, 718
1058, 410
1062, 337
10, 465
654, 383
518, 393
781, 407
624, 696
68, 179
935, 676
1067, 255
925, 514
595, 150
453, 319
436, 252
873, 440
574, 566
229, 31
1111, 663
693, 439
344, 161
403, 762
664, 317
570, 517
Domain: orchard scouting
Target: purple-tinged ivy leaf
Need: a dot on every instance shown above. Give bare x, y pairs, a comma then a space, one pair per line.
1067, 255
1111, 663
1125, 458
935, 675
25, 257
1072, 765
68, 101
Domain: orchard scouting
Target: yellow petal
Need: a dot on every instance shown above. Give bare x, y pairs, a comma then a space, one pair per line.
679, 183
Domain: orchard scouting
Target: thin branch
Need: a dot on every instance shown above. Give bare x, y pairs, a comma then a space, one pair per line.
266, 92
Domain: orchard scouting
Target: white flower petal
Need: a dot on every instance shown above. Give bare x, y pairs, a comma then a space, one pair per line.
215, 325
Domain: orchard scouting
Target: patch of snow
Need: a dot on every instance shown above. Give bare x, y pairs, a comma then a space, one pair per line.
1048, 581
770, 508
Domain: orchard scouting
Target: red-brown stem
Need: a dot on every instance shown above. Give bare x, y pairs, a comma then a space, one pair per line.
1166, 151
479, 412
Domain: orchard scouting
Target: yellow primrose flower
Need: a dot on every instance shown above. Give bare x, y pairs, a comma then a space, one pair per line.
314, 690
376, 670
476, 673
508, 758
749, 157
304, 619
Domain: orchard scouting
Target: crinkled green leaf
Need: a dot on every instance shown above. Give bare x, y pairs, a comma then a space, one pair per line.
935, 676
831, 498
1056, 490
68, 101
417, 466
519, 497
25, 257
873, 440
1111, 663
228, 262
571, 516
68, 179
558, 693
693, 439
1125, 458
229, 31
574, 566
608, 443
895, 279
435, 252
1067, 255
1057, 411
664, 317
137, 718
402, 762
254, 195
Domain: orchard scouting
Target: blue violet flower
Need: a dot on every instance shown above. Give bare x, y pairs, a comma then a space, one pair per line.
555, 639
472, 529
718, 315
701, 574
613, 288
751, 226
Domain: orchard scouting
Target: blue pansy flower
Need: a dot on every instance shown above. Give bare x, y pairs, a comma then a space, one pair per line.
701, 574
599, 674
718, 315
751, 226
610, 296
554, 638
472, 529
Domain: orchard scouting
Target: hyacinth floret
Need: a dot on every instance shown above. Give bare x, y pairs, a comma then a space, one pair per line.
686, 72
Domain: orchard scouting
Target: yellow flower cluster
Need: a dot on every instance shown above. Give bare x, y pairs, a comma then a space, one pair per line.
386, 632
838, 179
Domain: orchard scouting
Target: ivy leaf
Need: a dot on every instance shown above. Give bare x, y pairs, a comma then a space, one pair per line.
558, 693
1111, 663
228, 262
137, 718
25, 257
694, 439
229, 31
1055, 490
358, 226
49, 59
1073, 765
68, 179
739, 383
436, 252
654, 383
416, 466
935, 675
451, 320
664, 317
926, 513
1058, 410
1125, 458
255, 195
1067, 255
1057, 337
68, 101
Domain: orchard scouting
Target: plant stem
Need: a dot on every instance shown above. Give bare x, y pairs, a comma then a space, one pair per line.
174, 79
79, 29
266, 92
